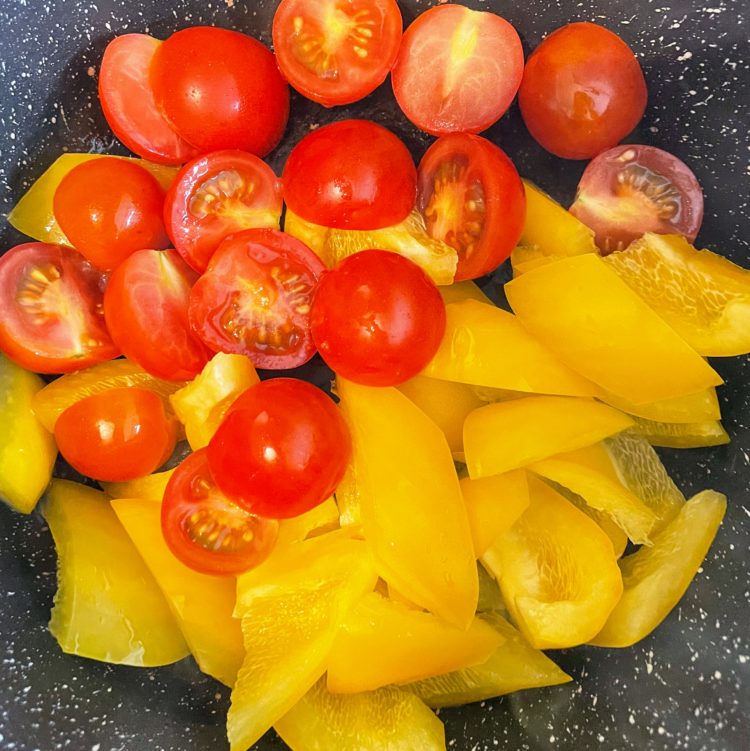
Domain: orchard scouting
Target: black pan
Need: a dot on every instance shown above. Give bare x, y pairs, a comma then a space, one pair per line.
685, 687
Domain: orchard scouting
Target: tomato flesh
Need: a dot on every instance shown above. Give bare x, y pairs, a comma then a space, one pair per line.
255, 298
117, 435
336, 51
630, 190
205, 530
281, 450
582, 92
51, 320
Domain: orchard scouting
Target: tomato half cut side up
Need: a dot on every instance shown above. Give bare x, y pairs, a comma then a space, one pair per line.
205, 530
51, 320
458, 70
630, 190
255, 299
216, 195
473, 199
146, 309
336, 52
129, 105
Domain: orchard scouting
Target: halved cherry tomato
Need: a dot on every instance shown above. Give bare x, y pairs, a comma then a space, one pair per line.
472, 199
336, 51
458, 70
220, 89
282, 448
51, 319
117, 435
205, 530
216, 195
630, 190
146, 308
108, 208
255, 298
583, 91
352, 174
128, 102
377, 318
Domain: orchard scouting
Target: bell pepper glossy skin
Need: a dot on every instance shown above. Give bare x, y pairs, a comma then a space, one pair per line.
699, 407
682, 435
148, 488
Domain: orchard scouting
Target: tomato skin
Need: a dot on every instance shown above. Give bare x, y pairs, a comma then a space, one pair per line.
351, 174
51, 319
145, 306
108, 208
194, 510
458, 69
377, 318
255, 298
216, 195
128, 102
321, 65
221, 89
457, 170
281, 450
117, 435
582, 92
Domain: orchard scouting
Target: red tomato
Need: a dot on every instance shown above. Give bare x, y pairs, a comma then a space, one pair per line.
216, 195
205, 530
583, 91
128, 102
353, 174
108, 208
282, 448
146, 308
377, 318
220, 89
473, 199
255, 297
630, 190
51, 318
457, 70
117, 435
336, 51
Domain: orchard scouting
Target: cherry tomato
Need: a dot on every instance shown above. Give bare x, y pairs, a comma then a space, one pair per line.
255, 297
352, 174
630, 190
473, 199
583, 91
51, 319
336, 51
220, 89
128, 102
377, 318
282, 448
117, 435
205, 530
146, 308
108, 208
457, 70
216, 195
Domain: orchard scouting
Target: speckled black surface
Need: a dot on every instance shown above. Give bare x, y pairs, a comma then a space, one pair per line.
686, 687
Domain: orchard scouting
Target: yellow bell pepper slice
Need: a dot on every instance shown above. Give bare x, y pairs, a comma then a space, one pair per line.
486, 346
383, 642
600, 328
388, 719
312, 235
33, 214
490, 597
27, 450
107, 606
148, 488
682, 435
508, 435
513, 666
616, 536
413, 515
702, 406
318, 520
656, 577
528, 257
557, 572
460, 291
201, 604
